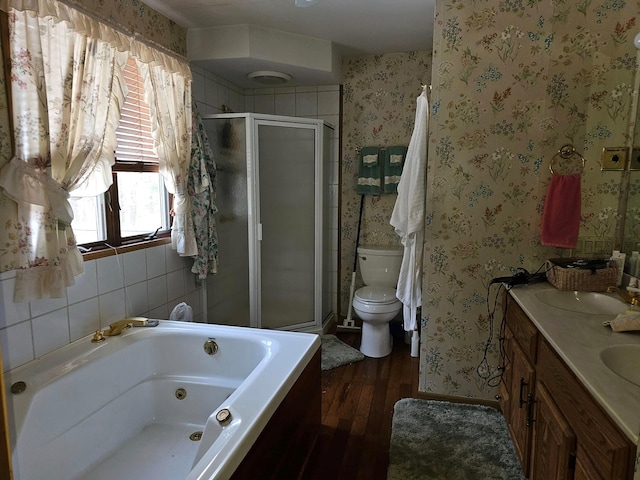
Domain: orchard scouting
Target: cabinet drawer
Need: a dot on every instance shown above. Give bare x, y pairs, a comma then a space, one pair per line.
523, 330
605, 446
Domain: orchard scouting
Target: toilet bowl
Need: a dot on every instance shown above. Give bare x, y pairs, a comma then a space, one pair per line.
376, 303
376, 307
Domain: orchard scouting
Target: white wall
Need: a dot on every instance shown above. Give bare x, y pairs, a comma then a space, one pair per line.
147, 282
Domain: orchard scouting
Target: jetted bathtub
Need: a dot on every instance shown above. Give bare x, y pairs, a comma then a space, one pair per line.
176, 401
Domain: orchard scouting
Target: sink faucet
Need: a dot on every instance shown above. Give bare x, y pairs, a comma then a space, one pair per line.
116, 328
631, 295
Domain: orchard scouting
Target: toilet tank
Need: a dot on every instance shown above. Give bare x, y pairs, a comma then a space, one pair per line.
380, 266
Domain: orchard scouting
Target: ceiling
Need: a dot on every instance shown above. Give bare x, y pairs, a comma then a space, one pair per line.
346, 27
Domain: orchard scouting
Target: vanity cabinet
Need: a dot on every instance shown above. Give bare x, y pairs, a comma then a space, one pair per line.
558, 429
601, 449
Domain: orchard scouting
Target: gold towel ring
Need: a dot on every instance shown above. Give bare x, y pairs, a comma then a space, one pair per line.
566, 152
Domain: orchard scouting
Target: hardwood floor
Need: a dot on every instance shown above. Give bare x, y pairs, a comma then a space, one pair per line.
357, 407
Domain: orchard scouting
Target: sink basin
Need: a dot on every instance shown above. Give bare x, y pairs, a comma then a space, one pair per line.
624, 361
590, 303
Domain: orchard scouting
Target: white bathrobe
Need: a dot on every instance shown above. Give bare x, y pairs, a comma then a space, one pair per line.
408, 215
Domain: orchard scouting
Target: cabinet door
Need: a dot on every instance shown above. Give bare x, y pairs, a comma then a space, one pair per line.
554, 443
520, 405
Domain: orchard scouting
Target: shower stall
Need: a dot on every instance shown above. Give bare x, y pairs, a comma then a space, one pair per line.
274, 222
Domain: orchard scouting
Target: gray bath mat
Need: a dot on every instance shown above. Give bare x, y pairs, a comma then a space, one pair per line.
434, 440
336, 353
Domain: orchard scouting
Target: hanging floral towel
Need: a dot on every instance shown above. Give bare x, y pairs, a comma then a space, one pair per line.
393, 163
370, 172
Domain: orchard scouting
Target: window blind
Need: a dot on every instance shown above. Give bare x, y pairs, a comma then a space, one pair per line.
135, 142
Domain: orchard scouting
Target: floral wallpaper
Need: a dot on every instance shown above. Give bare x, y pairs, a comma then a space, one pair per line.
513, 81
379, 107
138, 17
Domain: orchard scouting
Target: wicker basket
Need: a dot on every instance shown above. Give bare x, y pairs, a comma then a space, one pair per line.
580, 279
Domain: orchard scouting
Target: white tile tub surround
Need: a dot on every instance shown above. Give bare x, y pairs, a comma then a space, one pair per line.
86, 285
156, 262
148, 282
82, 318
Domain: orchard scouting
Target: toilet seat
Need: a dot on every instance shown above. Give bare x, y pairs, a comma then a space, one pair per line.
376, 295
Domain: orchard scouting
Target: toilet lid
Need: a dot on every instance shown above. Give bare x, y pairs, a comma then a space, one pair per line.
377, 295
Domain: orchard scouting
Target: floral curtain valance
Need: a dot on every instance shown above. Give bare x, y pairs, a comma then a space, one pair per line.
67, 87
90, 27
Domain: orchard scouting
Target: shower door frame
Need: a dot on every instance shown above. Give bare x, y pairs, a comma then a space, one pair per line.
254, 121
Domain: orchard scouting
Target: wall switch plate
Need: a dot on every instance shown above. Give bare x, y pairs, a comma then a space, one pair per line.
614, 158
634, 161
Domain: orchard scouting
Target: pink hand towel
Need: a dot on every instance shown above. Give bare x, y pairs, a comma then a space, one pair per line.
561, 215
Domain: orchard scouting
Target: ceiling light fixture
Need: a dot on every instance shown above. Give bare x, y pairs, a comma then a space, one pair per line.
305, 3
268, 77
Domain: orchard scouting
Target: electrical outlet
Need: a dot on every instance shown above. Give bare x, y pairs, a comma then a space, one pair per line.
634, 162
614, 158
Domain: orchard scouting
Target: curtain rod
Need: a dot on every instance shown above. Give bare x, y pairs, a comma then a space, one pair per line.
122, 29
115, 25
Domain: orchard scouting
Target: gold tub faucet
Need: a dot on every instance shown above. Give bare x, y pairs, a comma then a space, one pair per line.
116, 328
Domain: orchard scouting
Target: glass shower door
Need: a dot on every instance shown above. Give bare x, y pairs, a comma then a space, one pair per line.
228, 292
288, 220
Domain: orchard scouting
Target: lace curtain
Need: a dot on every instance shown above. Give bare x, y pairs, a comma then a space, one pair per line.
66, 91
65, 104
168, 94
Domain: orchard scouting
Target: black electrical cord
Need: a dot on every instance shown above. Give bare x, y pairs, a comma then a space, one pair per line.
484, 368
520, 277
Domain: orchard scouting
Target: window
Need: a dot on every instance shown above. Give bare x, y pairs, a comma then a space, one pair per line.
137, 204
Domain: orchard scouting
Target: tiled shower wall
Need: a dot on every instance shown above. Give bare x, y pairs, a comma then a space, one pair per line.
322, 102
150, 282
147, 282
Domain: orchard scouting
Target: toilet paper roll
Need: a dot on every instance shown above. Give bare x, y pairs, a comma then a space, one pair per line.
182, 313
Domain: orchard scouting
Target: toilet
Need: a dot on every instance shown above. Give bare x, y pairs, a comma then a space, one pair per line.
376, 303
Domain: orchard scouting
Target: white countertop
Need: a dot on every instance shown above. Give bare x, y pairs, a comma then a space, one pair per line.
578, 338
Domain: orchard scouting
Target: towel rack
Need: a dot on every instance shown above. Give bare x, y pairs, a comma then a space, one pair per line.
566, 152
359, 149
